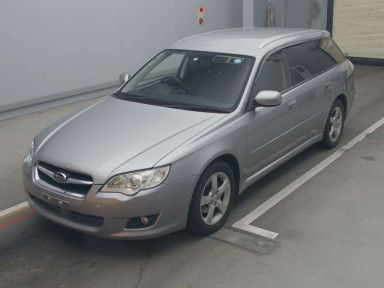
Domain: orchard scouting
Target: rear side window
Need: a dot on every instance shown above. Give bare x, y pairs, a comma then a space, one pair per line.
273, 74
311, 58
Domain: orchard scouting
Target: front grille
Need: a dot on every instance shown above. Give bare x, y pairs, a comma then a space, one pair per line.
75, 184
84, 219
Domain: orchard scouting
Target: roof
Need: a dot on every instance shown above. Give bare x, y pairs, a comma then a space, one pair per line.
247, 41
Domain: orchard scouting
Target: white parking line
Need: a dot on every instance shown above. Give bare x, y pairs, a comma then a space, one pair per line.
244, 223
12, 210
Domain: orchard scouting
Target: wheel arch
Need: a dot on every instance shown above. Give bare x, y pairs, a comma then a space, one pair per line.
232, 162
344, 101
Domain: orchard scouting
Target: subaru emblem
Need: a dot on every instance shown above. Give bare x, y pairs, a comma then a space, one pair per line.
60, 177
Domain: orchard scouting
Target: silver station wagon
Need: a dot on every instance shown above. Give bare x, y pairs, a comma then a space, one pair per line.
193, 128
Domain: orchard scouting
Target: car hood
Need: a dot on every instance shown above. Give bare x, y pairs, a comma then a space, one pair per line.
103, 139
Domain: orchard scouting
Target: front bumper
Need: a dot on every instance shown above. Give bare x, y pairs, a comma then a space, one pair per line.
107, 214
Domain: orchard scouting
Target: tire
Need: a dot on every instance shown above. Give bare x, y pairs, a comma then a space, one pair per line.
334, 127
207, 212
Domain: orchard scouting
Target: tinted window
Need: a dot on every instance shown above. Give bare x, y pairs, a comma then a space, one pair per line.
311, 58
273, 74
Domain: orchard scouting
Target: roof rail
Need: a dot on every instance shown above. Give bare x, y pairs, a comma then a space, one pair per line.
269, 41
209, 32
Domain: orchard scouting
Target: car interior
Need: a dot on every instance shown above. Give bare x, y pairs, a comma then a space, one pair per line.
208, 78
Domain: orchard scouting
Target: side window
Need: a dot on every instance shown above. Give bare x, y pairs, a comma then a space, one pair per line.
273, 74
310, 58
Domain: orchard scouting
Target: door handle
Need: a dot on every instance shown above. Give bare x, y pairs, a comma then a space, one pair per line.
292, 104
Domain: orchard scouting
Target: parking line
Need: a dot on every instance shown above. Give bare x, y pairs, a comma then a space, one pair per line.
244, 223
13, 210
257, 231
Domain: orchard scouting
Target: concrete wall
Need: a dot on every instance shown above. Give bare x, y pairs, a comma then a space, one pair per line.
248, 12
293, 13
54, 49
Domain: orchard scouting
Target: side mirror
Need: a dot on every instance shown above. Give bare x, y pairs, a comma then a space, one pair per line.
124, 77
268, 98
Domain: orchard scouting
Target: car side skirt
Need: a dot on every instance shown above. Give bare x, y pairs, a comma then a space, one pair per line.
275, 164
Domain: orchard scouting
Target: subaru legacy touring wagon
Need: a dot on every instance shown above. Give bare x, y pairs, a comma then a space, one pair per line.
193, 128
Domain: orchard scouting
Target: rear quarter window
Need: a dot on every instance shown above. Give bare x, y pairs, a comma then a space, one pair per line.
332, 49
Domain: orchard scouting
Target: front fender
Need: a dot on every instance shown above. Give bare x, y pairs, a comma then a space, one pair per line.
194, 157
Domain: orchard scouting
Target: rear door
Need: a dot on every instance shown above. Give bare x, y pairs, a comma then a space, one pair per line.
311, 67
271, 131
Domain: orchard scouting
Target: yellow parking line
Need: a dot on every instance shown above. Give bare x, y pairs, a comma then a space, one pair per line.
14, 210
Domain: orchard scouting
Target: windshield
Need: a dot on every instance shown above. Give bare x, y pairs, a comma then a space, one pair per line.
190, 80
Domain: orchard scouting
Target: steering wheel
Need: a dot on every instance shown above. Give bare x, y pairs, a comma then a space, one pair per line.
173, 81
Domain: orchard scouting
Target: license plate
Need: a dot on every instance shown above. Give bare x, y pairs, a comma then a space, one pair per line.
63, 205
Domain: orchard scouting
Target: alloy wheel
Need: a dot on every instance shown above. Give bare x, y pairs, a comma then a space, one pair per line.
215, 198
336, 124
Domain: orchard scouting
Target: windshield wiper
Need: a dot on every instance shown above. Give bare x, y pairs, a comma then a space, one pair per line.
192, 107
207, 109
170, 104
155, 101
135, 98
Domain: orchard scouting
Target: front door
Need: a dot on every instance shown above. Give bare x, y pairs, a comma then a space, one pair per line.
272, 131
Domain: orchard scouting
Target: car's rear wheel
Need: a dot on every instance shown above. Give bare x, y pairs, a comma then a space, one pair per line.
212, 199
335, 125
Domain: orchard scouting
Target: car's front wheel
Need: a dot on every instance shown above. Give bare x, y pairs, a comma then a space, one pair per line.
212, 199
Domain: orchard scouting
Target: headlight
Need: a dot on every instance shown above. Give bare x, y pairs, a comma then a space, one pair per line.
30, 153
133, 182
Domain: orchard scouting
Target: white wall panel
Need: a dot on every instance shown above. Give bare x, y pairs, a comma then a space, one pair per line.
50, 47
358, 27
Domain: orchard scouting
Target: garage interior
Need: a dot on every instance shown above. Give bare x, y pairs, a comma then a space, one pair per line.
61, 56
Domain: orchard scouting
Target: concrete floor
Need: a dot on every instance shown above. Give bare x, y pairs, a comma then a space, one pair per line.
330, 229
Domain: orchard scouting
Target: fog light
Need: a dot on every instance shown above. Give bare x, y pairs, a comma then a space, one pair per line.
142, 222
145, 220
